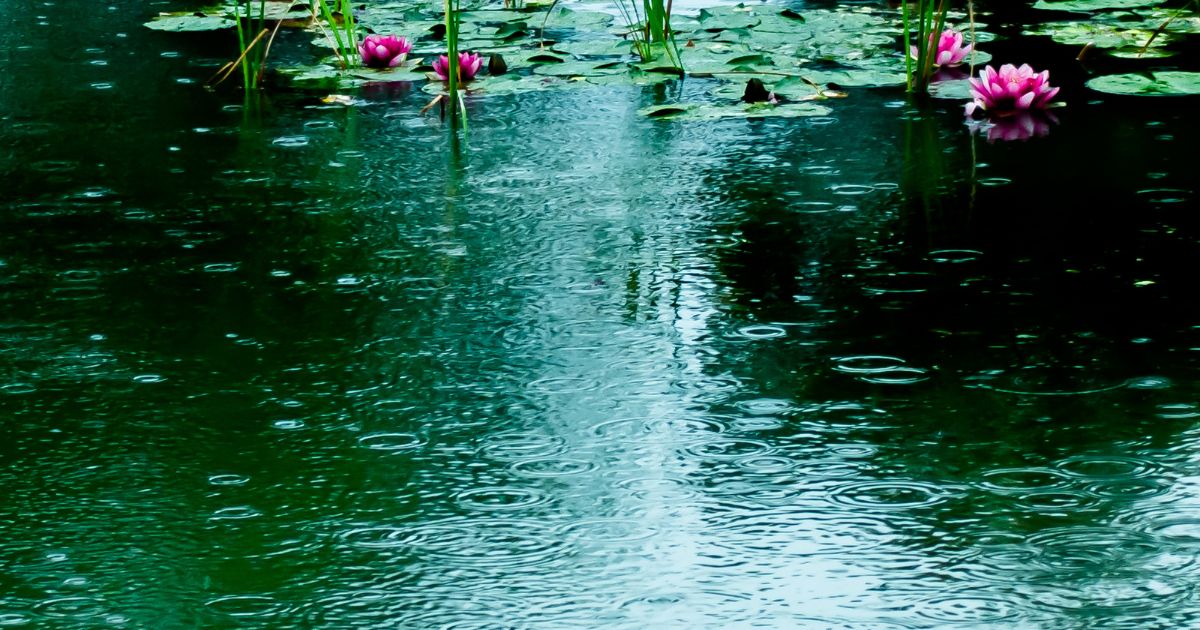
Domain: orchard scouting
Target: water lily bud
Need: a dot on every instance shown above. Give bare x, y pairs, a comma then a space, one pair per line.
496, 65
756, 92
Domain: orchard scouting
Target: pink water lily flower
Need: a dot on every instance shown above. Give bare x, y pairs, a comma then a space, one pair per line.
1010, 90
950, 50
468, 66
380, 51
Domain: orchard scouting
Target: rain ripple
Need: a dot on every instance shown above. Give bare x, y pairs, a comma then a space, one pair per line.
889, 495
500, 499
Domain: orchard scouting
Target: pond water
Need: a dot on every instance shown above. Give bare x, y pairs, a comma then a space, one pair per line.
298, 365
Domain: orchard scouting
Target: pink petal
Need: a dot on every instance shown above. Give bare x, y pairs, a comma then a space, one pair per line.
1046, 98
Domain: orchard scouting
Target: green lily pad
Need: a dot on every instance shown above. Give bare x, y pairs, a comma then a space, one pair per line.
633, 77
562, 17
1165, 83
190, 23
1100, 34
496, 16
327, 76
1138, 52
512, 30
725, 18
505, 84
1187, 22
712, 111
594, 48
793, 89
782, 23
957, 90
858, 77
577, 69
1087, 6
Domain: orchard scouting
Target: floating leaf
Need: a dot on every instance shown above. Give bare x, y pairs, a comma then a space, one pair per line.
724, 18
1085, 6
505, 84
858, 77
664, 110
190, 23
576, 69
958, 90
562, 17
492, 16
1165, 83
1100, 34
511, 30
594, 48
735, 110
634, 77
1140, 52
755, 59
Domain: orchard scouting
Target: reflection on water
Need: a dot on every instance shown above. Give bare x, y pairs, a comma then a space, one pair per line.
284, 364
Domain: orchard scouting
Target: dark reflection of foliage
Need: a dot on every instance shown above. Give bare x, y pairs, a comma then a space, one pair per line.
1077, 285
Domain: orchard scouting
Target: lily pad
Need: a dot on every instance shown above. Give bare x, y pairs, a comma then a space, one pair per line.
594, 48
1138, 52
724, 18
634, 77
190, 23
562, 17
1165, 83
712, 111
505, 84
496, 16
958, 90
1100, 34
1087, 6
867, 77
577, 69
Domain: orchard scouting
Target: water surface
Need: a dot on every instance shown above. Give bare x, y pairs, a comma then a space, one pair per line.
292, 365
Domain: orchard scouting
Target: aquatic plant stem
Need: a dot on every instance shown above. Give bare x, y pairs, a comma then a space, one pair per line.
974, 42
337, 36
333, 46
939, 22
453, 67
262, 68
1161, 28
241, 33
350, 25
908, 61
228, 68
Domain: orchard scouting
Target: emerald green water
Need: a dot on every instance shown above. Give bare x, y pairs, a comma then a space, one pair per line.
311, 366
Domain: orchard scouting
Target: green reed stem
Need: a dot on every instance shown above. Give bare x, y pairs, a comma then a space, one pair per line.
453, 70
241, 33
930, 20
908, 70
261, 53
350, 25
327, 14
